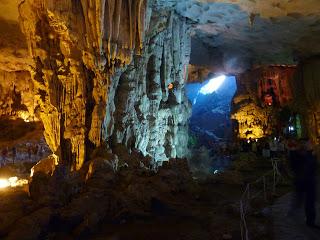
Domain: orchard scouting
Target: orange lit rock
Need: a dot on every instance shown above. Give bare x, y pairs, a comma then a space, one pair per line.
260, 95
76, 46
17, 95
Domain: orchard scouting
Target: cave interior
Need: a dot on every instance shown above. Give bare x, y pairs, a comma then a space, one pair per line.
151, 119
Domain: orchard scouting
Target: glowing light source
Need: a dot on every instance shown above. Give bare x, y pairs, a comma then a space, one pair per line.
291, 128
213, 85
12, 182
4, 183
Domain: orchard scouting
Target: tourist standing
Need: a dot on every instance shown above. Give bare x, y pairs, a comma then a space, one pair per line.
304, 166
273, 148
266, 151
14, 154
29, 152
4, 154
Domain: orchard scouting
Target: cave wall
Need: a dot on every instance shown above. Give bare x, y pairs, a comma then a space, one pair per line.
17, 97
261, 93
101, 71
199, 73
306, 92
146, 114
76, 47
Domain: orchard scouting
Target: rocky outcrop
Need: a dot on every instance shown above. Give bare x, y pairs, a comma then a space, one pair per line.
150, 109
261, 94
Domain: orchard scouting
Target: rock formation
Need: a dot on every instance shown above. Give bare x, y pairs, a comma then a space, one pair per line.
96, 75
17, 96
145, 113
76, 46
261, 94
198, 73
306, 93
114, 70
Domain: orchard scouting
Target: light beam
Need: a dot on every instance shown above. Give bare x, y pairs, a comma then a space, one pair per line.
213, 85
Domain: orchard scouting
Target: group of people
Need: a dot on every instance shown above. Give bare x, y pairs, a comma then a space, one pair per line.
302, 155
268, 148
27, 153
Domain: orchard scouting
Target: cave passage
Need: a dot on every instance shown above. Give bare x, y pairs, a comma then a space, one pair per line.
210, 128
211, 102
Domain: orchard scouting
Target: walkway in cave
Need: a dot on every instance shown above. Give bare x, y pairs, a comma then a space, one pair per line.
293, 228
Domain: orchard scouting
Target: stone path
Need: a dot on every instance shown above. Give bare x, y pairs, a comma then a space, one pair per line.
293, 227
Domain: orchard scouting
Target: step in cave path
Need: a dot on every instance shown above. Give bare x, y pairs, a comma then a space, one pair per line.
293, 227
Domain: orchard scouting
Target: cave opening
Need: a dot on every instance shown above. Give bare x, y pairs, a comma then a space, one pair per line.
210, 125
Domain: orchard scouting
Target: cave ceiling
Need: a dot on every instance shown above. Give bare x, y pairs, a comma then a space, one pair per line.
228, 35
13, 47
235, 34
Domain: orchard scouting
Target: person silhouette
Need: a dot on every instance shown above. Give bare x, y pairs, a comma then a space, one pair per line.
309, 181
304, 167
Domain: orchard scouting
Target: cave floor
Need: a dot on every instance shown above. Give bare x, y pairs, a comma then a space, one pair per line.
208, 215
202, 209
293, 227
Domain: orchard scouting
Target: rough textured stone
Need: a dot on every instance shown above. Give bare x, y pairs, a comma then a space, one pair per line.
306, 93
32, 226
46, 165
198, 73
76, 46
241, 32
114, 71
145, 113
17, 96
256, 90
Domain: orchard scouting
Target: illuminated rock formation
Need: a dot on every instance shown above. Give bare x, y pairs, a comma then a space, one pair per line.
101, 70
146, 113
76, 46
261, 94
17, 96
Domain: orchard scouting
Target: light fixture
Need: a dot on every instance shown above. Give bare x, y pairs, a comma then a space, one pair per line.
291, 128
213, 85
12, 182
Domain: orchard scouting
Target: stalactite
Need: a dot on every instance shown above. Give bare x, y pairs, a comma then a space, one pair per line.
76, 46
145, 117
